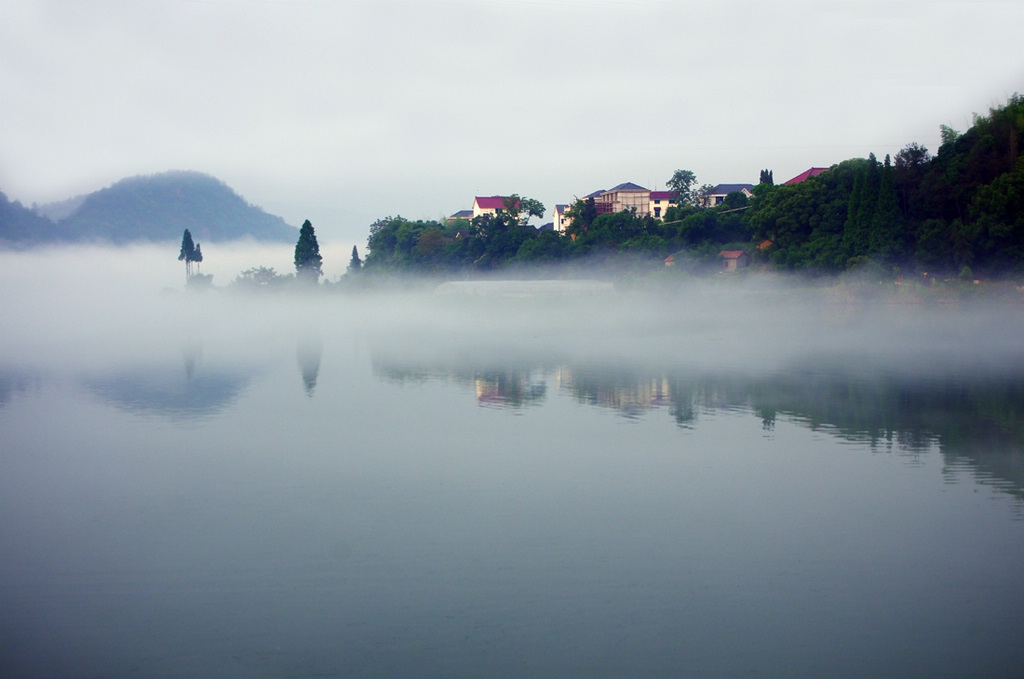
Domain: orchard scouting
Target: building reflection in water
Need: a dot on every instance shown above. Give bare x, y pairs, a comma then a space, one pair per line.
628, 393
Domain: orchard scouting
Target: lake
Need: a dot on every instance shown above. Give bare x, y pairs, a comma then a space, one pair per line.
719, 481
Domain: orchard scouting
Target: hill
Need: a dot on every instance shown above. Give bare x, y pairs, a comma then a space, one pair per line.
21, 226
159, 207
146, 208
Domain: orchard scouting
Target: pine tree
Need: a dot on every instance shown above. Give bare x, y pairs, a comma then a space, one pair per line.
188, 253
355, 265
307, 254
887, 230
861, 209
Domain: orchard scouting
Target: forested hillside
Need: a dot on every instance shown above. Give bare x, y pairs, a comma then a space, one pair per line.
152, 208
962, 207
20, 226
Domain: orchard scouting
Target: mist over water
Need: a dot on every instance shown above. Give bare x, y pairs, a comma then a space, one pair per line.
81, 304
714, 477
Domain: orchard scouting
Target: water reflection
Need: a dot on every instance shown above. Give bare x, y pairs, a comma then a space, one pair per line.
14, 382
493, 386
975, 420
309, 353
168, 391
627, 392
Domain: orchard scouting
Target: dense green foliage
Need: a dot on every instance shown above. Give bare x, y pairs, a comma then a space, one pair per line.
959, 211
962, 208
307, 254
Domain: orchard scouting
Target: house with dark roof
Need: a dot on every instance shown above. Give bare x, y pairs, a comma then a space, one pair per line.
461, 214
560, 220
624, 196
717, 195
804, 176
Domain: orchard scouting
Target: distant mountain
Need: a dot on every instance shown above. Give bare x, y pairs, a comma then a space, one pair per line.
21, 226
146, 208
60, 209
160, 207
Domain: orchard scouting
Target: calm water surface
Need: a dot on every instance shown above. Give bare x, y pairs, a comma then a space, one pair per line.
386, 497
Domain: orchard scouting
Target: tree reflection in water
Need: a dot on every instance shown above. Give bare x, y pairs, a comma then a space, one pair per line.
975, 420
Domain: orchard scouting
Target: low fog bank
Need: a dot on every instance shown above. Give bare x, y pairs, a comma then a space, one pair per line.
87, 309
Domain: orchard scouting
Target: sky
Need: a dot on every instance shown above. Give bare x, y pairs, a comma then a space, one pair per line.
345, 112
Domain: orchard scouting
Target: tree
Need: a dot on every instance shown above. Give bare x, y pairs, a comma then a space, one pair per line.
188, 253
682, 182
355, 265
702, 197
522, 208
887, 235
197, 257
767, 178
948, 135
260, 277
581, 216
307, 254
911, 157
531, 207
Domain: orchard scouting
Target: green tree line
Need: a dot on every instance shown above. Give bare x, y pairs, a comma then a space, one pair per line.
960, 209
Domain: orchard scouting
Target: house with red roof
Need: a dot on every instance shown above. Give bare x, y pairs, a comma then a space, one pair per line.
488, 205
804, 176
735, 259
662, 201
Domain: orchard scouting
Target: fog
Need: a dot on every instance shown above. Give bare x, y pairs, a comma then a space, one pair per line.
76, 308
623, 475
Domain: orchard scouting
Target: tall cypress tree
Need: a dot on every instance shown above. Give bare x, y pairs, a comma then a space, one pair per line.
307, 254
188, 253
861, 209
887, 232
355, 265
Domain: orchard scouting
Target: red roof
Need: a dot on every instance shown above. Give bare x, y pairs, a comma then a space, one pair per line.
803, 176
664, 195
490, 202
731, 254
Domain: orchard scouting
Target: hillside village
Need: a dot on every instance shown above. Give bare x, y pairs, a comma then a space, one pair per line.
619, 198
646, 209
625, 196
959, 212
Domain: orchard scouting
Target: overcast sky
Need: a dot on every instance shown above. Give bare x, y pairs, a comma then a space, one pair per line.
343, 112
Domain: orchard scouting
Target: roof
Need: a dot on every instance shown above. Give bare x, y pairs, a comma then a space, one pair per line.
664, 195
732, 254
490, 202
561, 207
462, 214
626, 186
803, 176
726, 189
